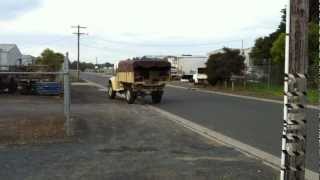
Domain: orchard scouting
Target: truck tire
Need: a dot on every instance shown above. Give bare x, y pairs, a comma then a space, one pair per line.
13, 86
111, 92
156, 97
130, 96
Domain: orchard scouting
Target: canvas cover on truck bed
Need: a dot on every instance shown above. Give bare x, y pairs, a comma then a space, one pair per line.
132, 65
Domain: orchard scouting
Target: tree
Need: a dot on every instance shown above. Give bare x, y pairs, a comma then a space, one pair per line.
261, 50
314, 11
278, 48
313, 42
107, 65
263, 46
278, 51
52, 59
221, 66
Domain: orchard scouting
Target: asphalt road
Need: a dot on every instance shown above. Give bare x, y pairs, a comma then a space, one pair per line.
253, 122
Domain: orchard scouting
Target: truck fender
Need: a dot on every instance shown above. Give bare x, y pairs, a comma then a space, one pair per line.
113, 82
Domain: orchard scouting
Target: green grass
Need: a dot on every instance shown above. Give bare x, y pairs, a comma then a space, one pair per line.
274, 92
277, 92
313, 96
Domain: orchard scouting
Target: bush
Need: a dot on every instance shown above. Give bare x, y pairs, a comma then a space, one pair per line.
221, 66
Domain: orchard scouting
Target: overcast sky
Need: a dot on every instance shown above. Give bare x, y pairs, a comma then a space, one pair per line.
119, 29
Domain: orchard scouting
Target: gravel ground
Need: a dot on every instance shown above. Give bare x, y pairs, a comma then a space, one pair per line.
117, 141
26, 119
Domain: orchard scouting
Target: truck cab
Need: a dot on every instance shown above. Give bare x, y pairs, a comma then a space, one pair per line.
200, 77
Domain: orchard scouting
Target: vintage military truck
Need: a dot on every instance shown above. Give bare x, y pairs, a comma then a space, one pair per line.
134, 78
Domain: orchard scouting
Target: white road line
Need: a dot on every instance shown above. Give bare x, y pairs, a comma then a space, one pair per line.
237, 96
267, 158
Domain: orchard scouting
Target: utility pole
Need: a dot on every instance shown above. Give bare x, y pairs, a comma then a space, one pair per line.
79, 34
319, 95
295, 88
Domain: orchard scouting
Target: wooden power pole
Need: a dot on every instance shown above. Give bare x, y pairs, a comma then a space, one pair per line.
319, 91
79, 34
295, 87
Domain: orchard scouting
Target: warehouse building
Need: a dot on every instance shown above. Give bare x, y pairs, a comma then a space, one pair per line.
10, 55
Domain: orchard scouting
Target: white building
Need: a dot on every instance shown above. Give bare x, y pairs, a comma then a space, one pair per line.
9, 55
183, 64
187, 64
28, 60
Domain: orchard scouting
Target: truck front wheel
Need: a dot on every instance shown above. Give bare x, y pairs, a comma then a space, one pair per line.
111, 93
130, 96
156, 97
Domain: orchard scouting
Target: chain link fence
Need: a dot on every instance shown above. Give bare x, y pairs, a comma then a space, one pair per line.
273, 75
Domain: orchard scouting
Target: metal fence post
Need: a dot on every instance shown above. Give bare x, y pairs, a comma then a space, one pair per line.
67, 97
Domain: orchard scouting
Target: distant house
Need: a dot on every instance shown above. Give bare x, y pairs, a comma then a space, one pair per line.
27, 60
10, 55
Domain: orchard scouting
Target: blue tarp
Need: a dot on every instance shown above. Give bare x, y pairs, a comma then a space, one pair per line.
48, 88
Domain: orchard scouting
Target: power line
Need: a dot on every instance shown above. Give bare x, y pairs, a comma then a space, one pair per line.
79, 34
101, 46
166, 44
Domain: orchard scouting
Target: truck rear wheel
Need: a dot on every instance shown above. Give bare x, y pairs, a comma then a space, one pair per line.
130, 96
156, 97
111, 93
